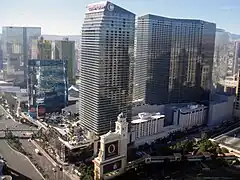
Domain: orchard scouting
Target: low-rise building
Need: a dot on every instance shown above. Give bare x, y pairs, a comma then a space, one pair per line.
190, 116
70, 144
228, 85
220, 108
147, 124
148, 127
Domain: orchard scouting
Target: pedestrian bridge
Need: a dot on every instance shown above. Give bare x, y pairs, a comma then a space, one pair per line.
161, 159
19, 136
19, 130
20, 133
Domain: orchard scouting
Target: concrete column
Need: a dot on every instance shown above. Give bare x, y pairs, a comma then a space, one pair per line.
95, 148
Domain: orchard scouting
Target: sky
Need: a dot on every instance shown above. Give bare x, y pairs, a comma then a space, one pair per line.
65, 17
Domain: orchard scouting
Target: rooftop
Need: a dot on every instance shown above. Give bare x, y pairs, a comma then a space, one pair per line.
230, 139
72, 108
151, 16
73, 88
3, 82
190, 107
145, 116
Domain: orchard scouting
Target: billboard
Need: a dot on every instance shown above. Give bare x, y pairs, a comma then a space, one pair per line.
41, 110
112, 167
32, 111
111, 149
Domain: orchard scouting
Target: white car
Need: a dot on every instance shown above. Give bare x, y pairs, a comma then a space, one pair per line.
54, 170
37, 152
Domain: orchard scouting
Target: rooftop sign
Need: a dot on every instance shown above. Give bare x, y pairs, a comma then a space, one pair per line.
96, 7
100, 6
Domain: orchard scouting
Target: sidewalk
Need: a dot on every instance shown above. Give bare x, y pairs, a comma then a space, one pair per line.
70, 175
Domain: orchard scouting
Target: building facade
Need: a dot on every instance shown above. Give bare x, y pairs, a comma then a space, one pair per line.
65, 49
41, 49
56, 49
220, 102
190, 116
237, 100
1, 58
147, 124
174, 59
106, 65
17, 47
47, 86
220, 66
1, 53
226, 62
229, 85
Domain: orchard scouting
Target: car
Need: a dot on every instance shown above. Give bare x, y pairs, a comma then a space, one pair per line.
54, 170
38, 152
60, 167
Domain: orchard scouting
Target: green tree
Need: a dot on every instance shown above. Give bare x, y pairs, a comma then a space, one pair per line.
225, 150
206, 145
183, 146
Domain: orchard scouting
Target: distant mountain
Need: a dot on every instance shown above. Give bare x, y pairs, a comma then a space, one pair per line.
235, 37
57, 37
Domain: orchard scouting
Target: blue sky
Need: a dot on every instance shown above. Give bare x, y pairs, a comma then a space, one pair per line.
66, 16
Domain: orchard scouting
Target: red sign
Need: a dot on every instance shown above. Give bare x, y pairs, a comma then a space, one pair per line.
32, 109
41, 110
95, 7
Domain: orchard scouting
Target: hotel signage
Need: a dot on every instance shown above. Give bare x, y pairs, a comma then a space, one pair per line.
96, 7
101, 6
111, 149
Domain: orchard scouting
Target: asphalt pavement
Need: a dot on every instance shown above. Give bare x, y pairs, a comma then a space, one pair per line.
44, 163
16, 160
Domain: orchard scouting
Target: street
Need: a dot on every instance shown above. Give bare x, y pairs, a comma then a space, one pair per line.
29, 147
15, 160
43, 162
18, 162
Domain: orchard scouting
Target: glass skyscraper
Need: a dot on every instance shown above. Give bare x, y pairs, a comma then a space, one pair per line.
57, 49
174, 59
17, 47
1, 53
47, 85
65, 49
106, 66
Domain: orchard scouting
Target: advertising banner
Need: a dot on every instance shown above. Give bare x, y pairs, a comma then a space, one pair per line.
32, 111
41, 111
112, 167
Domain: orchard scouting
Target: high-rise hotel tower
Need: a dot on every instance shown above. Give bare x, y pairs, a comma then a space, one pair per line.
174, 59
106, 66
